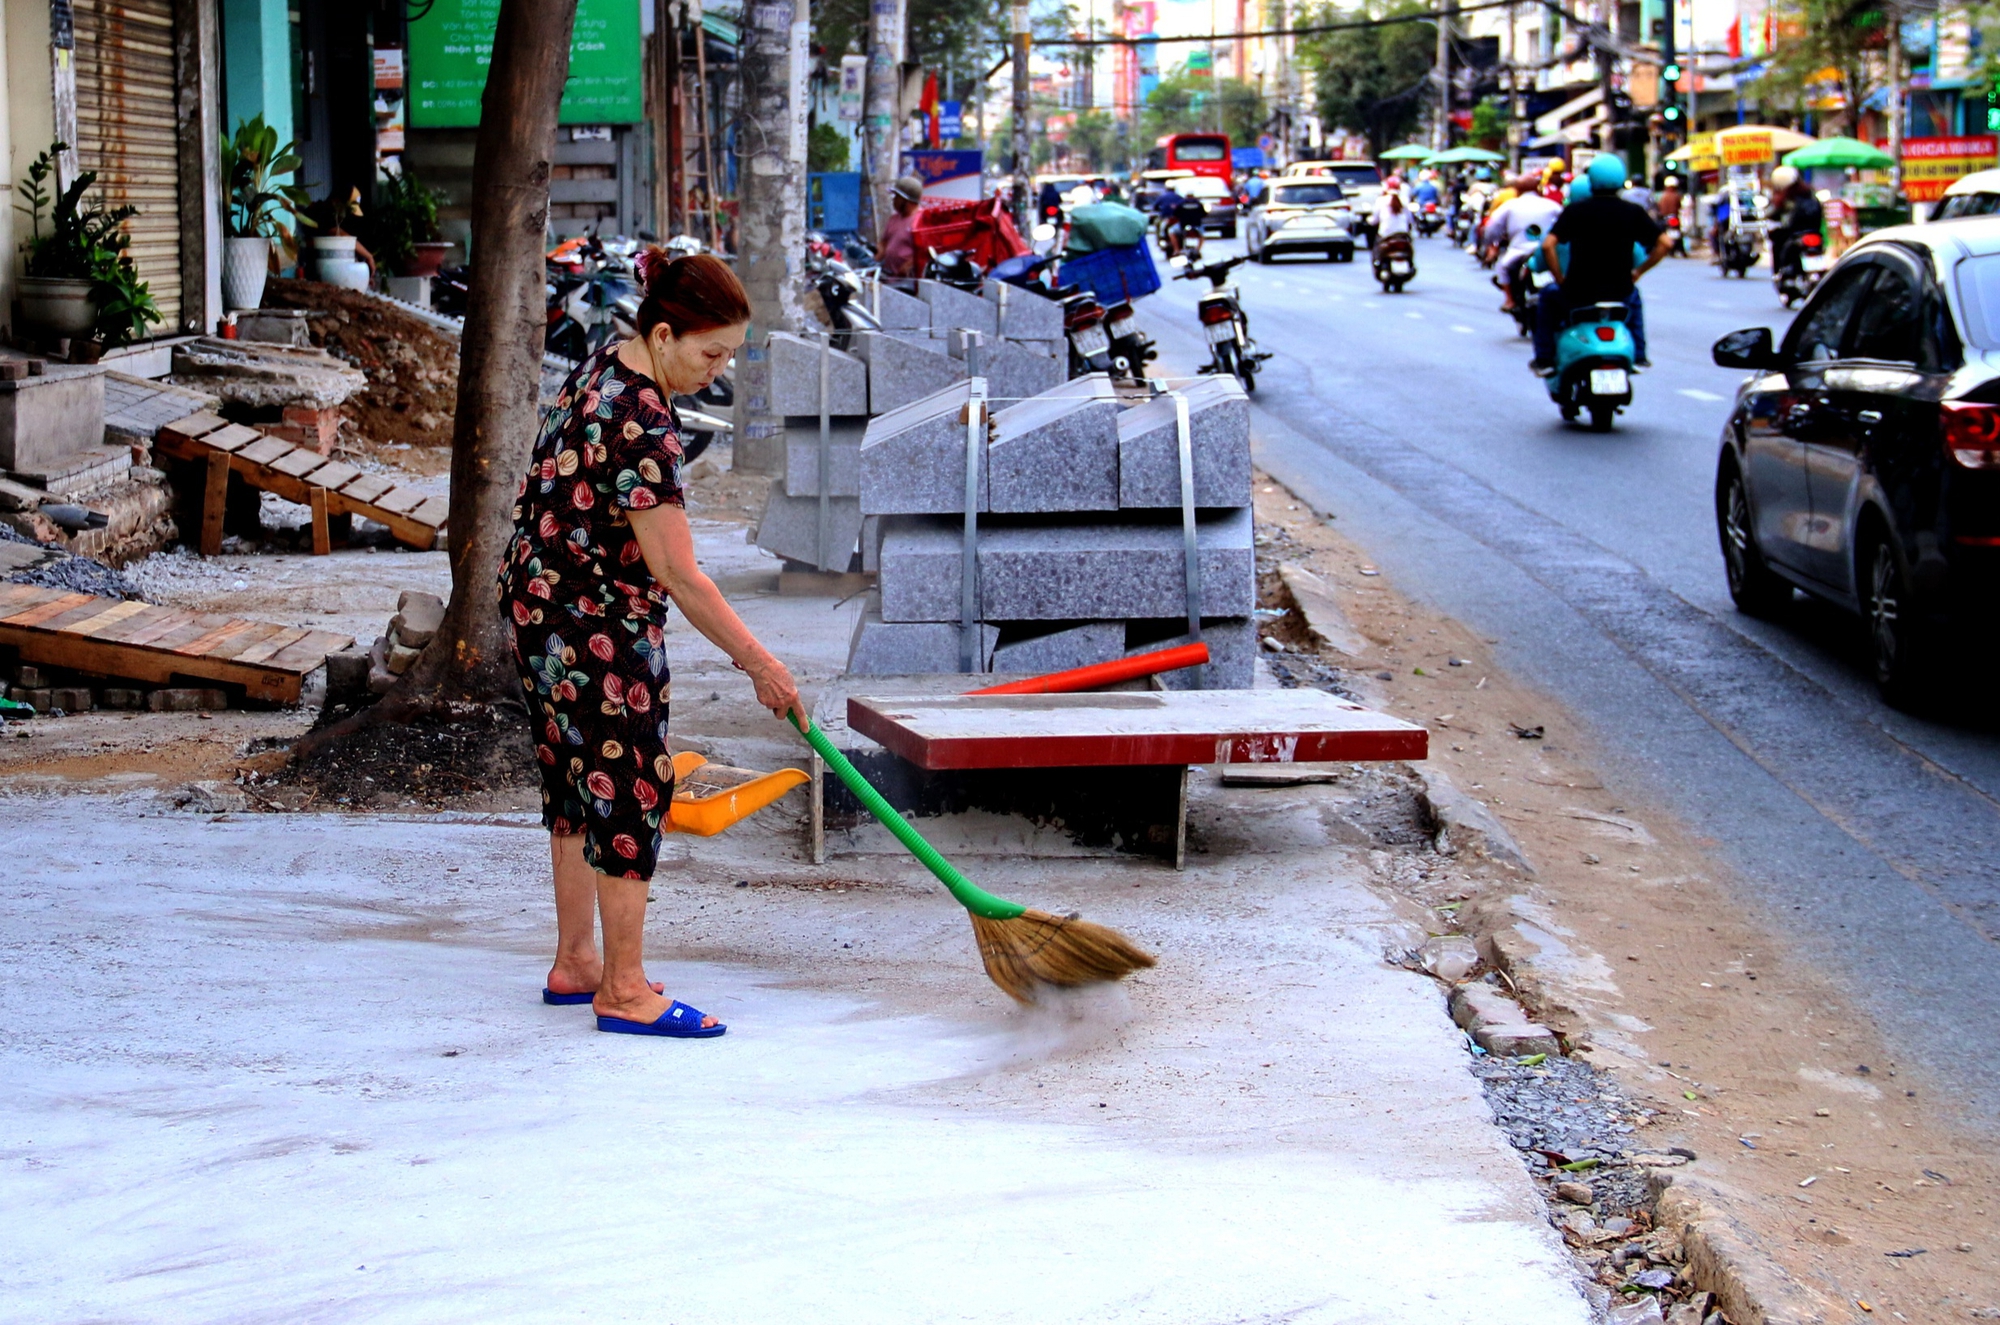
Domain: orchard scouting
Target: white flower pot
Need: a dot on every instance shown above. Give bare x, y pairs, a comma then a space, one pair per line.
333, 248
347, 275
246, 264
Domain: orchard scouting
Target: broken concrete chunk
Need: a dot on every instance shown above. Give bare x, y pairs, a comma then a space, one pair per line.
401, 657
1324, 620
20, 497
1149, 463
380, 679
347, 676
418, 618
1462, 823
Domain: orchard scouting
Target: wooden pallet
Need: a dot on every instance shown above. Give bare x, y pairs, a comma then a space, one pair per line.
159, 645
331, 489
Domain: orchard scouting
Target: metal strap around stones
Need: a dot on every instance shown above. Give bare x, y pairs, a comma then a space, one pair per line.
968, 578
825, 456
1190, 547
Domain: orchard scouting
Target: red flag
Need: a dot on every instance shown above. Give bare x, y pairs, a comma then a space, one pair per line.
1736, 38
930, 108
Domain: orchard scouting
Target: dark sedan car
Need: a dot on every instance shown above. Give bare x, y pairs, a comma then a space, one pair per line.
1862, 461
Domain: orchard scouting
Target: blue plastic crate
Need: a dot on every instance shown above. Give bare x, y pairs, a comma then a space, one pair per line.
1113, 273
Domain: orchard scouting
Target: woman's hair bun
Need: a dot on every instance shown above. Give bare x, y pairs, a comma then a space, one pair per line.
689, 292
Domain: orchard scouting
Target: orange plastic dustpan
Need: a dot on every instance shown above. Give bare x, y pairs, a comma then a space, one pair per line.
710, 797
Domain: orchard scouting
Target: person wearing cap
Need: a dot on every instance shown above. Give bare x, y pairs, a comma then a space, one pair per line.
898, 251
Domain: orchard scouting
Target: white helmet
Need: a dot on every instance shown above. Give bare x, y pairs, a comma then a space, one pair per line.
1783, 178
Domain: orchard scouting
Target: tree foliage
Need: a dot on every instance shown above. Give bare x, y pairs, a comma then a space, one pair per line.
1191, 102
1096, 141
1371, 80
1845, 36
826, 148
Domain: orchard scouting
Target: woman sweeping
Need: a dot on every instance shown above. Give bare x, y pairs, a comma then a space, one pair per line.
601, 545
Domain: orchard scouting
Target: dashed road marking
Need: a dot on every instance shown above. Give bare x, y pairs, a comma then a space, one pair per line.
1467, 330
1418, 316
1693, 394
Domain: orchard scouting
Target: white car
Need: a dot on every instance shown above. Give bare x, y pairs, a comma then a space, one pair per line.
1301, 214
1977, 194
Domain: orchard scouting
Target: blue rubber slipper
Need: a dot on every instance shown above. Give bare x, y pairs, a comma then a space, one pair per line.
679, 1021
554, 999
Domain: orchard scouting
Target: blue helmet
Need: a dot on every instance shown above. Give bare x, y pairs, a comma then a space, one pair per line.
1607, 172
1579, 188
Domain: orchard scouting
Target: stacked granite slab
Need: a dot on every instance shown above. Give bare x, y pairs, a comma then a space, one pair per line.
932, 339
1081, 554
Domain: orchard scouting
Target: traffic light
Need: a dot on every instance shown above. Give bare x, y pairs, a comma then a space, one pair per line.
1671, 114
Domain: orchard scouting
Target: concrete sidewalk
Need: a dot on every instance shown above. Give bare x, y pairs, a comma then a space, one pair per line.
294, 1068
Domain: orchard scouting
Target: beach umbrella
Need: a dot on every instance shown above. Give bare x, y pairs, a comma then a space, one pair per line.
1407, 152
1841, 154
1459, 156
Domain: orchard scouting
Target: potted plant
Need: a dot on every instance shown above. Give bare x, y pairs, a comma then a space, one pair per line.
258, 208
333, 247
406, 231
125, 306
65, 263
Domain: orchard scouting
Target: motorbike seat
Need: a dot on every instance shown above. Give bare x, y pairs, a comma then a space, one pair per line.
1597, 313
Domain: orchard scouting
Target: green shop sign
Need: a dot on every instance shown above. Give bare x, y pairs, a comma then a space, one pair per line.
451, 45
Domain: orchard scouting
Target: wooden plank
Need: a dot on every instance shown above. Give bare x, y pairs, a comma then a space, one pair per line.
148, 665
139, 622
192, 427
422, 537
271, 644
299, 463
322, 535
197, 626
249, 635
366, 489
214, 639
20, 597
309, 652
104, 620
232, 438
265, 451
400, 501
333, 474
82, 612
1167, 727
158, 628
214, 503
432, 511
52, 607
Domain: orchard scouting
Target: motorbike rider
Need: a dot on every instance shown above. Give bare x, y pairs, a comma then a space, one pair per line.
1177, 214
1799, 213
1391, 216
1602, 234
1515, 232
898, 251
1426, 191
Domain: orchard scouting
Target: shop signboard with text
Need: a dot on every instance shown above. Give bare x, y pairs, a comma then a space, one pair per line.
452, 44
1932, 165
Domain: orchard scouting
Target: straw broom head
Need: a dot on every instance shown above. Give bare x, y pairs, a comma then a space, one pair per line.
1035, 950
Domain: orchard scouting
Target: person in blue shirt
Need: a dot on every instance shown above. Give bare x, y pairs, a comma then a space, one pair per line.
1426, 191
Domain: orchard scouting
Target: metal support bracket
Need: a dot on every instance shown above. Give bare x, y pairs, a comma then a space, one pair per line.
968, 581
1190, 546
825, 455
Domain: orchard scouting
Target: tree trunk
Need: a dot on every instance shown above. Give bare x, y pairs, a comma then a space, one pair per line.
499, 366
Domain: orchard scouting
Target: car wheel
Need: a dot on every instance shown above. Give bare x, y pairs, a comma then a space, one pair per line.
1902, 643
1756, 589
1229, 232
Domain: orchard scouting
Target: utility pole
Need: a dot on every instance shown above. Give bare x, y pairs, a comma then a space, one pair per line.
770, 232
1607, 131
1894, 18
1517, 105
1441, 135
885, 59
1023, 163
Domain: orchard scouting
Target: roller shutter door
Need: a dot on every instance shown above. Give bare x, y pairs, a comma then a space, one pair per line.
126, 131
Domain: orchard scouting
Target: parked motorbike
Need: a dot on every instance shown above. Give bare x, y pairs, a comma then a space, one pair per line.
954, 267
841, 290
1131, 348
1223, 320
1084, 328
1800, 267
1738, 251
1395, 260
1593, 367
593, 295
1430, 219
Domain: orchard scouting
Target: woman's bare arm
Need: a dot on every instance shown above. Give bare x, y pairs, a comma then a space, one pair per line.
668, 544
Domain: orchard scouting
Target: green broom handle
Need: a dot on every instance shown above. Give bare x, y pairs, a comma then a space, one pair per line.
970, 895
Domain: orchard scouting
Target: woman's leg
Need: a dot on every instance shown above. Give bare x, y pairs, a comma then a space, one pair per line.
624, 991
577, 968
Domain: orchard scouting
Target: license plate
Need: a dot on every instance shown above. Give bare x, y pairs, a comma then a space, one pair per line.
1400, 268
1609, 382
1815, 262
1122, 327
1218, 332
1091, 340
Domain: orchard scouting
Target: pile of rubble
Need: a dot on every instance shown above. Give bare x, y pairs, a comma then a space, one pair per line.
356, 677
411, 364
1079, 545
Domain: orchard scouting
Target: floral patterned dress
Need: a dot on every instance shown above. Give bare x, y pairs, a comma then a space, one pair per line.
588, 617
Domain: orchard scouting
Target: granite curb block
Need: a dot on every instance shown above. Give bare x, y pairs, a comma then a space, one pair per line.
794, 366
913, 457
790, 528
1727, 1259
1463, 823
844, 436
903, 369
1149, 463
898, 648
953, 308
1024, 314
1314, 598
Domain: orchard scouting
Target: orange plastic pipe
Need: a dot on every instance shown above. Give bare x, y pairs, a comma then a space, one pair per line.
1104, 673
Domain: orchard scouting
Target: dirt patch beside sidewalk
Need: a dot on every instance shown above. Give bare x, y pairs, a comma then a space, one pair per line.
1850, 1170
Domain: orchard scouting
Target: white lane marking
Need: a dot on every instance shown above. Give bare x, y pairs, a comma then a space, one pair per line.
1467, 330
1692, 394
1371, 303
1418, 316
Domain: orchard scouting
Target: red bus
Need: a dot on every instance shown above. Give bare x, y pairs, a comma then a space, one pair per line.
1197, 153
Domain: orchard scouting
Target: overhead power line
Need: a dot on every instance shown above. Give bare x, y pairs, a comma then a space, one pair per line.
1422, 16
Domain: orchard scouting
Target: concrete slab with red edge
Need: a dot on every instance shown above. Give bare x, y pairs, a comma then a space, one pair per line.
1157, 727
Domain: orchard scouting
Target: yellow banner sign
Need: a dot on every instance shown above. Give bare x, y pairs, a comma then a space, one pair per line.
1932, 165
1746, 149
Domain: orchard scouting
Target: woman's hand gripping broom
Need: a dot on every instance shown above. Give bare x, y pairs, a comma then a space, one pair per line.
1024, 950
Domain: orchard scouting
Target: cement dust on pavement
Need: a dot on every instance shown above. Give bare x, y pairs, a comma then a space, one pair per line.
1791, 1098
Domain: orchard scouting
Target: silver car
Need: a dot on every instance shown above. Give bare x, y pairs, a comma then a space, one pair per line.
1300, 215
